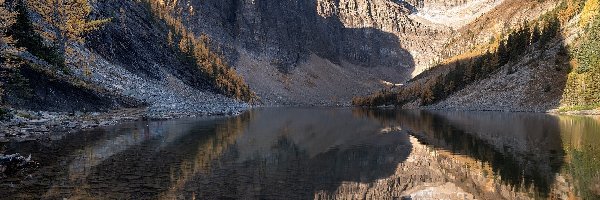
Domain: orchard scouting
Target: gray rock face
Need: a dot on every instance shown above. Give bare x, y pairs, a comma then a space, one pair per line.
286, 32
133, 58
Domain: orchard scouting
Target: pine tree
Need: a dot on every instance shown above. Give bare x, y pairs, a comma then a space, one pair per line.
68, 20
427, 96
469, 74
535, 36
550, 31
7, 48
7, 20
170, 39
26, 37
503, 54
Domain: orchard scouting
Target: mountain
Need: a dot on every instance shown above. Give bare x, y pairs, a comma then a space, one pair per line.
220, 56
544, 63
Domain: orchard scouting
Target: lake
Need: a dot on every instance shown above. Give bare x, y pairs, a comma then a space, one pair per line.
321, 153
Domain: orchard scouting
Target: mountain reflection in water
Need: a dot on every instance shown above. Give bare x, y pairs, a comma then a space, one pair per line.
322, 153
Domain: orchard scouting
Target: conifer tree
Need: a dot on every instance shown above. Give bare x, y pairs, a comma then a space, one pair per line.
503, 54
7, 19
68, 20
25, 36
427, 96
550, 31
7, 47
535, 36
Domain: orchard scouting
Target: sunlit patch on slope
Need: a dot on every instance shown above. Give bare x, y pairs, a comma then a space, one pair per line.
456, 16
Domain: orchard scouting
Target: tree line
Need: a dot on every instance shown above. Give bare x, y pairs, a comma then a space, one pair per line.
429, 88
582, 90
62, 22
197, 50
7, 49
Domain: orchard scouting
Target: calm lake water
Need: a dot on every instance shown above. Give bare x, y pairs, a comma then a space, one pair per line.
322, 153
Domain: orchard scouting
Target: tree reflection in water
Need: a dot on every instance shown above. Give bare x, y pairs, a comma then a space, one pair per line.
322, 153
523, 150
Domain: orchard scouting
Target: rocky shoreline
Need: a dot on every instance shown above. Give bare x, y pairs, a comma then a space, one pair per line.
34, 125
43, 125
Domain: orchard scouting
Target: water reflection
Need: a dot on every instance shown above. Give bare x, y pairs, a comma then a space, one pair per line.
322, 153
292, 154
581, 139
523, 150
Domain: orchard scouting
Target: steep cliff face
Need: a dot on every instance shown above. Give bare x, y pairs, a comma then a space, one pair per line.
286, 32
364, 40
419, 37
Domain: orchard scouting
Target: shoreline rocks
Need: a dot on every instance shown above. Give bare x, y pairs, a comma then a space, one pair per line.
38, 125
15, 165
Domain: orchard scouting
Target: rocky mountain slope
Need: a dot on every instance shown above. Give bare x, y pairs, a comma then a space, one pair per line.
314, 52
122, 60
269, 43
521, 56
544, 78
324, 52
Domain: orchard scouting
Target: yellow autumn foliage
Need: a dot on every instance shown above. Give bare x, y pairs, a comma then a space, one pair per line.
564, 15
590, 10
211, 64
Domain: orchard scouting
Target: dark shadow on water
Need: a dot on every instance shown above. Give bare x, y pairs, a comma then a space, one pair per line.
53, 157
132, 160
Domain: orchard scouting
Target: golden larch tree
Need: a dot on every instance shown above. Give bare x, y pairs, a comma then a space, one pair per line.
7, 48
7, 19
68, 20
